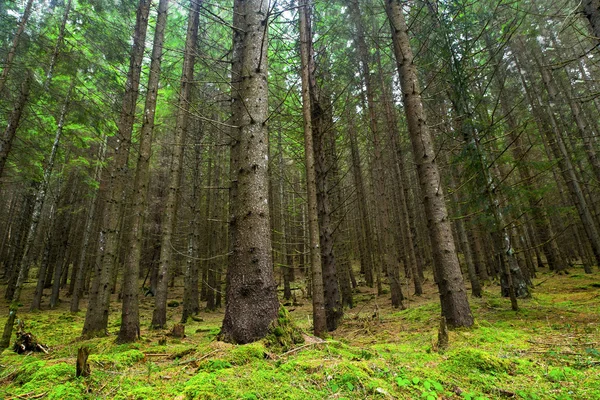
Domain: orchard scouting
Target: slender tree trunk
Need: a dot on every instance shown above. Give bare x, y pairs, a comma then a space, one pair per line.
159, 316
364, 223
319, 318
13, 123
130, 320
58, 45
113, 186
251, 302
191, 299
82, 263
8, 63
453, 297
383, 205
286, 265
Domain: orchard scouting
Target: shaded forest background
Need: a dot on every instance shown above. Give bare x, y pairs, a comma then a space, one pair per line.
93, 175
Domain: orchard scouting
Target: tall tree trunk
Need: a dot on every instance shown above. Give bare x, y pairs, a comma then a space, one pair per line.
58, 45
383, 205
251, 303
365, 236
82, 263
8, 63
112, 187
319, 318
130, 320
159, 316
13, 123
191, 299
453, 296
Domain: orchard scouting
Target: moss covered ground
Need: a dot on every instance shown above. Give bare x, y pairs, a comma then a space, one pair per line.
550, 349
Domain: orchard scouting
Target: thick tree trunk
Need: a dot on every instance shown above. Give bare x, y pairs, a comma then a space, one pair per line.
319, 318
159, 316
113, 186
251, 304
130, 320
453, 296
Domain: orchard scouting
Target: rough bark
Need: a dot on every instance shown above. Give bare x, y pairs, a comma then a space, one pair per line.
251, 303
319, 318
130, 320
159, 316
453, 297
112, 185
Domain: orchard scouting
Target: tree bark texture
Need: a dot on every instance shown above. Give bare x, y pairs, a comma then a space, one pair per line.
319, 318
130, 320
159, 316
453, 297
113, 184
251, 303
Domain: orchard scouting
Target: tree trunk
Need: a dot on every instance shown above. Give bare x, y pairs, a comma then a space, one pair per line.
251, 303
191, 299
130, 320
159, 316
8, 63
13, 123
453, 297
319, 318
383, 205
82, 263
112, 187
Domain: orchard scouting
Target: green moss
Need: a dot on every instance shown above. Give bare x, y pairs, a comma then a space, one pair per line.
119, 361
283, 333
475, 360
67, 391
244, 354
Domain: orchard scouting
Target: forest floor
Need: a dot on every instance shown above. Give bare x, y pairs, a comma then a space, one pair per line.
550, 349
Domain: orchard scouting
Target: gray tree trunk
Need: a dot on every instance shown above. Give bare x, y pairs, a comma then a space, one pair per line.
130, 320
319, 318
113, 184
453, 296
159, 316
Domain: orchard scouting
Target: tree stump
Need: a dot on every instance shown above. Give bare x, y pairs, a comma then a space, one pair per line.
83, 368
442, 335
178, 331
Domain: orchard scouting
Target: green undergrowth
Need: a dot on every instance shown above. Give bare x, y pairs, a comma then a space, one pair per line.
547, 350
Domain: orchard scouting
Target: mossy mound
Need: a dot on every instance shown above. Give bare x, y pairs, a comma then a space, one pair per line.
283, 333
117, 361
474, 360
